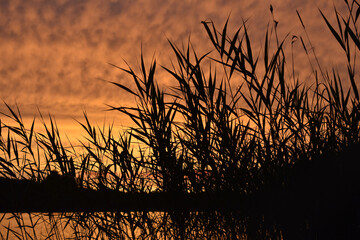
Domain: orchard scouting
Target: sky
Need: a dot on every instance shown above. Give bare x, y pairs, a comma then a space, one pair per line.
54, 53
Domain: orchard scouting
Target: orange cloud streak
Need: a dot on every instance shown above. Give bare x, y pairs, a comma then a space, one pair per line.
53, 52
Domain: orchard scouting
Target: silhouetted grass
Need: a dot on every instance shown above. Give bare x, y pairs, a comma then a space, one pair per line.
289, 149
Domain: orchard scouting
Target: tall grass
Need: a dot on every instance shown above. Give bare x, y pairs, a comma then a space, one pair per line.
287, 148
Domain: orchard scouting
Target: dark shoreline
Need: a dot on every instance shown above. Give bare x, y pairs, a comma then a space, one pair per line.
30, 196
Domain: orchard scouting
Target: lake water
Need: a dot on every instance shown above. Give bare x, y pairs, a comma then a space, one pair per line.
120, 225
34, 226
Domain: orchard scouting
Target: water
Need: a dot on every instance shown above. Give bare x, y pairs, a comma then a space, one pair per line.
34, 226
120, 225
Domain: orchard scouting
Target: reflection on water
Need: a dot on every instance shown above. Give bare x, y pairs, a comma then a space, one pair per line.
121, 225
34, 226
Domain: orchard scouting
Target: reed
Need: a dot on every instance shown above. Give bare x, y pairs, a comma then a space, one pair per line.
288, 148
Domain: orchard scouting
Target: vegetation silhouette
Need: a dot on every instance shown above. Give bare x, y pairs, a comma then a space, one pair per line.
285, 154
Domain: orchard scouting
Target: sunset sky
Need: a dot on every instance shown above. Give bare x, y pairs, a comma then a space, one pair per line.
53, 53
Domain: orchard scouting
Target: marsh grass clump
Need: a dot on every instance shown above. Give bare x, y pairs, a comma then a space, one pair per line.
288, 149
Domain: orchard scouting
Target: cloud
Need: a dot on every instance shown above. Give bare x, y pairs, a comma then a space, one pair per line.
53, 52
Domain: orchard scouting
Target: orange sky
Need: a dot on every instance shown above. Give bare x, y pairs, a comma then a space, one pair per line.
53, 52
